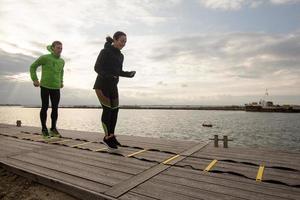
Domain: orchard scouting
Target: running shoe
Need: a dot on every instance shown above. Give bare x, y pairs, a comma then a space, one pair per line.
114, 139
45, 133
54, 133
110, 143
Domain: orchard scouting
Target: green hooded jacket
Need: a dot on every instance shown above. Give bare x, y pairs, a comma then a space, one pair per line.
52, 70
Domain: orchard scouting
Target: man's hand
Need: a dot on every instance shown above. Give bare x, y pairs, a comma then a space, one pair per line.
36, 83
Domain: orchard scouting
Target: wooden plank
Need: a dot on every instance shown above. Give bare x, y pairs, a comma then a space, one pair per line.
135, 196
119, 165
103, 157
286, 177
198, 189
243, 158
183, 175
155, 156
19, 142
123, 187
9, 150
131, 140
80, 144
243, 169
255, 156
99, 157
291, 178
100, 175
159, 181
72, 185
161, 190
252, 151
195, 163
149, 143
4, 151
11, 145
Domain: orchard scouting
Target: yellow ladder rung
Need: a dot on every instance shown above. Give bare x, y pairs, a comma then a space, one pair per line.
60, 141
133, 154
48, 140
102, 149
31, 136
170, 159
260, 173
81, 144
211, 164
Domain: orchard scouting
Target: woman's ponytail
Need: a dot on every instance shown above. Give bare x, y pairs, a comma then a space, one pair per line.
108, 42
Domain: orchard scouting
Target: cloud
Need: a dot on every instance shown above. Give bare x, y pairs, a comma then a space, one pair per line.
24, 93
223, 4
239, 4
14, 63
284, 1
232, 62
190, 69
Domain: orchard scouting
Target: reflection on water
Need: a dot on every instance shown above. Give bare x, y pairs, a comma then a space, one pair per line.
265, 130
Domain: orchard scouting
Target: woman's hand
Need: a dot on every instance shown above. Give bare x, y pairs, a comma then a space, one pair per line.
132, 73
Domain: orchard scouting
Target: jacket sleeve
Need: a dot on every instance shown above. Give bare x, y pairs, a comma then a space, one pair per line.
100, 61
34, 66
127, 74
62, 74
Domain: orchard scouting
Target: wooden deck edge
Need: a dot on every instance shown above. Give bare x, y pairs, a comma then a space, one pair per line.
127, 185
75, 191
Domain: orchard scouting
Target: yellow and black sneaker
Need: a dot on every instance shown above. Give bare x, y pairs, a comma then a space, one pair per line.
54, 133
109, 142
114, 139
45, 133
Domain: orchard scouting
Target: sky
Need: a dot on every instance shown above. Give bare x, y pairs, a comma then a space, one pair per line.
185, 52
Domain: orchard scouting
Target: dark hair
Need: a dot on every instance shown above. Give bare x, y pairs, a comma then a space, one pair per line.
117, 35
55, 43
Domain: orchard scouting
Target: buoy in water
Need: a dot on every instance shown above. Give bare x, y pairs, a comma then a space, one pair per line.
207, 125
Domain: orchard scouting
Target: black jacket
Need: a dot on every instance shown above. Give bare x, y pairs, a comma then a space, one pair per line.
109, 63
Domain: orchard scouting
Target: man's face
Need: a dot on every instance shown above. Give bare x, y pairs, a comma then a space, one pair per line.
57, 49
121, 42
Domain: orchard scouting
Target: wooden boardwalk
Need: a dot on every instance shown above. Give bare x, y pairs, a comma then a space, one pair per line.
148, 168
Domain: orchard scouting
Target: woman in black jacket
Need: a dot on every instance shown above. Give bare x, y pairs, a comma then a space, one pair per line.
109, 66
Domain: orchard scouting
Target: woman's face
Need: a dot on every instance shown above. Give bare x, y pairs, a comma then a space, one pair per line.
121, 42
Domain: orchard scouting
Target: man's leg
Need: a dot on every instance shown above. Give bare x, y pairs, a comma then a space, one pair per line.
54, 97
45, 105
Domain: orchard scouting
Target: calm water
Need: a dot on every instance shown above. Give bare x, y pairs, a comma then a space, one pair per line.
271, 130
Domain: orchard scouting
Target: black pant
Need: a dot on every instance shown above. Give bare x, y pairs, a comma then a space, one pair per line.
109, 119
54, 95
108, 96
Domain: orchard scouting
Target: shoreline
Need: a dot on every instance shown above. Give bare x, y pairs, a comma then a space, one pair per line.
278, 109
146, 107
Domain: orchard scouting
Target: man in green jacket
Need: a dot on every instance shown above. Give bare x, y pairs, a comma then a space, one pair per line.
50, 83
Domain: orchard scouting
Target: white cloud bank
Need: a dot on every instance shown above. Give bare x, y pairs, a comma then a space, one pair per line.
238, 4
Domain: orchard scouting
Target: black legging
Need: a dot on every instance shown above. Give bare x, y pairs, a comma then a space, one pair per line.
109, 119
54, 97
109, 99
